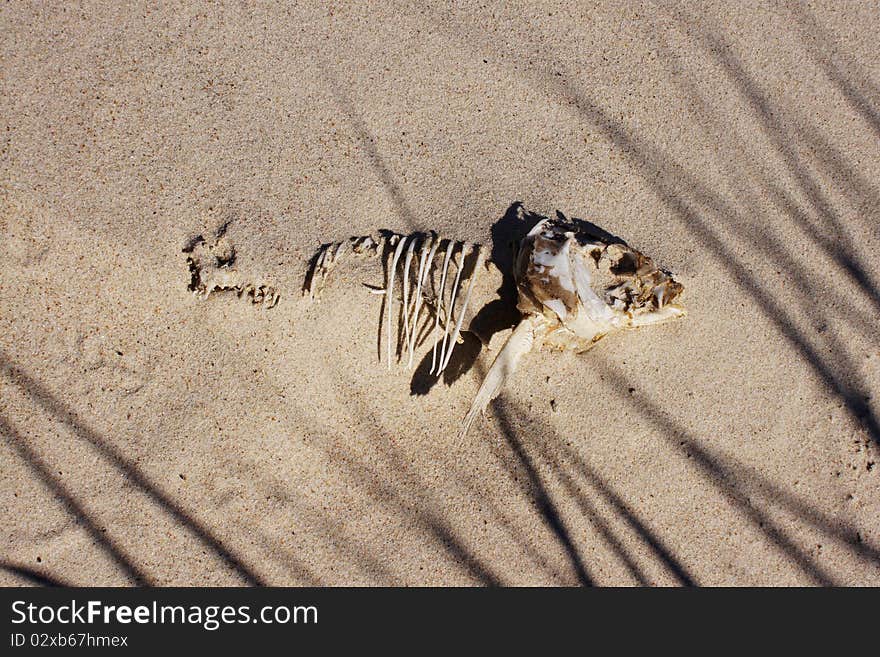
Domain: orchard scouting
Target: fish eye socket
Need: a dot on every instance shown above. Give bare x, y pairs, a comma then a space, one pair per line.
626, 265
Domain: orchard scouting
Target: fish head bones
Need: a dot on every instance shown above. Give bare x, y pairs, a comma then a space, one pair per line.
583, 285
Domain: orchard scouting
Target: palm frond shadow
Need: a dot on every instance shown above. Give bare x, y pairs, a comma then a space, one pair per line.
542, 500
703, 212
508, 417
741, 485
862, 95
839, 372
32, 576
377, 485
547, 444
46, 400
708, 214
710, 217
831, 234
73, 505
369, 147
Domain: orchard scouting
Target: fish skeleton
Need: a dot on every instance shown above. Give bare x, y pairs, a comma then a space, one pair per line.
575, 284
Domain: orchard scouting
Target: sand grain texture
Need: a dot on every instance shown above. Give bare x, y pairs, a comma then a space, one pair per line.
152, 437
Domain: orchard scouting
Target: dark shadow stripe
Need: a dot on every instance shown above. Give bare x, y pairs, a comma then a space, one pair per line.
31, 576
45, 399
540, 498
71, 504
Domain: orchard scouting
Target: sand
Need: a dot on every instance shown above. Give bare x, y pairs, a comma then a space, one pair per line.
151, 437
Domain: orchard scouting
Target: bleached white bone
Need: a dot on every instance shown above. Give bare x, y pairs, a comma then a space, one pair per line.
406, 267
364, 243
389, 297
417, 302
441, 300
318, 269
467, 297
429, 267
340, 250
519, 343
461, 258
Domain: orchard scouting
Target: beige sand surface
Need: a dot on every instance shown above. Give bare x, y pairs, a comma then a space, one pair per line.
152, 437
